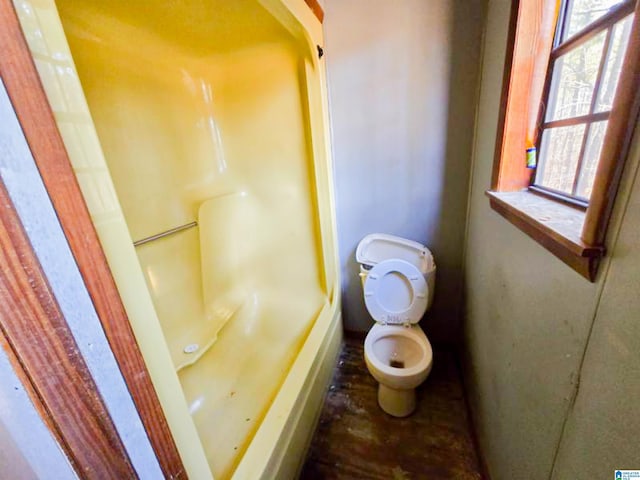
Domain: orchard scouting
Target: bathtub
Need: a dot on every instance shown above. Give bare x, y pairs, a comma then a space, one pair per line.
198, 135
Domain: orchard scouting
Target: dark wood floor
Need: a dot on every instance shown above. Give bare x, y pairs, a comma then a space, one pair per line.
355, 439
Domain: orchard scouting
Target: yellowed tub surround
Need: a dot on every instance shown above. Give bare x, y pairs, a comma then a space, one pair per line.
210, 115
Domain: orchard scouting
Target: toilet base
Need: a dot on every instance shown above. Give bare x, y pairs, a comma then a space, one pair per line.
398, 403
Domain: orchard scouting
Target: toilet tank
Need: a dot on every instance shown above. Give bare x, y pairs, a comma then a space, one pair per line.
377, 247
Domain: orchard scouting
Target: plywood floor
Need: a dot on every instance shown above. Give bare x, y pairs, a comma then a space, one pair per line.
355, 439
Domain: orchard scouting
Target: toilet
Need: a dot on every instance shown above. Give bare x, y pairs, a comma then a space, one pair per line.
398, 278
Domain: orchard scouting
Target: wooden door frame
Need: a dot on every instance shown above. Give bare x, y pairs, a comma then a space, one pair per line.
29, 101
41, 348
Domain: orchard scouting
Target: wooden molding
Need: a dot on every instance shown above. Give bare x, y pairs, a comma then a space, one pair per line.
38, 336
528, 45
34, 113
316, 9
504, 96
29, 389
553, 225
617, 140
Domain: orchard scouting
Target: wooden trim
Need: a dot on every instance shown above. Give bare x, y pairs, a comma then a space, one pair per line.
592, 106
540, 227
617, 140
32, 108
568, 122
29, 389
316, 9
593, 29
504, 96
37, 334
528, 45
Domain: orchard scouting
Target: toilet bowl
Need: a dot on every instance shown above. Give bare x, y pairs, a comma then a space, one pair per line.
400, 359
398, 277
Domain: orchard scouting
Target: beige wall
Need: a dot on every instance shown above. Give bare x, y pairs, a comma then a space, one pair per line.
602, 429
552, 361
403, 87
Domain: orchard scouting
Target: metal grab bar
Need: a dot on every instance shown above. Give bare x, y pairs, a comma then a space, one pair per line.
166, 233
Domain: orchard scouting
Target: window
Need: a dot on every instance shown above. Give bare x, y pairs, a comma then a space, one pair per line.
591, 39
571, 88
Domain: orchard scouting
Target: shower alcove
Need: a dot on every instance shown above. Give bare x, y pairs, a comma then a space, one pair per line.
198, 134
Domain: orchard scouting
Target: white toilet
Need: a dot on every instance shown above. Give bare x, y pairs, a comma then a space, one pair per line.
398, 278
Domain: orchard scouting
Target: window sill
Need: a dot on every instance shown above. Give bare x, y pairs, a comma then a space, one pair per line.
555, 226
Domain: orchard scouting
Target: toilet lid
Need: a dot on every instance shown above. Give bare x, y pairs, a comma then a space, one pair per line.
395, 292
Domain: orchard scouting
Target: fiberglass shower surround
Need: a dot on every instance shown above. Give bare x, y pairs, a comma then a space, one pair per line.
210, 118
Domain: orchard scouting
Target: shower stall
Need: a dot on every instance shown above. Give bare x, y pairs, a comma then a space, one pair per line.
198, 134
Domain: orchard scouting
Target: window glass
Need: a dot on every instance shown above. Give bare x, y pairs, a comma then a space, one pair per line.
560, 147
573, 80
595, 140
619, 41
581, 13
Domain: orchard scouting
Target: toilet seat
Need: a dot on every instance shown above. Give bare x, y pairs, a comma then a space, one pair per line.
395, 292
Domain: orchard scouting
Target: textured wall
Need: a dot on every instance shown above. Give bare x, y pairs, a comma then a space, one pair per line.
402, 85
601, 431
551, 367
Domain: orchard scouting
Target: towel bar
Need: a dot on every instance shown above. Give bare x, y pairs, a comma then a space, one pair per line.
166, 233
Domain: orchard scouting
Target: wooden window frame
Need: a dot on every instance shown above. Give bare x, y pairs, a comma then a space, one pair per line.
575, 235
561, 47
